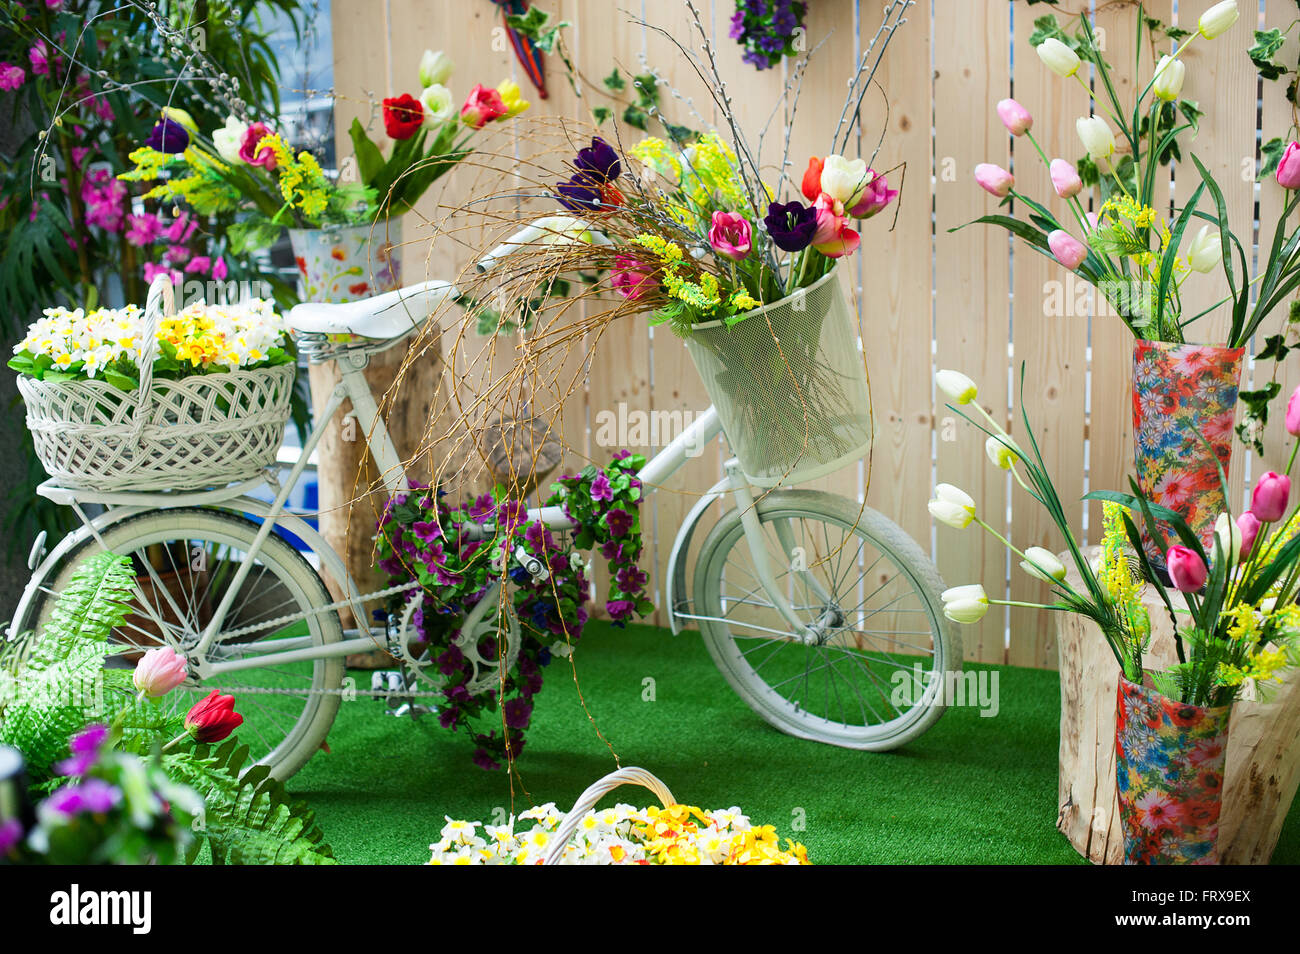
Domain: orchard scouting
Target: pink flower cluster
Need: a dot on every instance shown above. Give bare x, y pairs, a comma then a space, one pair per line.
105, 199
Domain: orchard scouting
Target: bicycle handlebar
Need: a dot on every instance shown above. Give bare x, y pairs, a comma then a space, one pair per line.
549, 230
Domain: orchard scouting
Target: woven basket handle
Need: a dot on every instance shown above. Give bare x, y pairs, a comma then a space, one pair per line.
594, 793
160, 303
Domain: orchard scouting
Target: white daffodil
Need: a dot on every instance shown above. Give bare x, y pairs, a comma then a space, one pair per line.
959, 388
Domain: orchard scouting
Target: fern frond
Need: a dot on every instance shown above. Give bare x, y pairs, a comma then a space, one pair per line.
249, 817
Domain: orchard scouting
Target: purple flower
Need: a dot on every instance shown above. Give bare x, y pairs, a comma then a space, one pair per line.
85, 746
791, 225
426, 531
737, 25
485, 761
93, 795
448, 717
537, 536
168, 136
517, 713
392, 566
598, 162
612, 551
601, 490
579, 194
450, 660
619, 609
619, 522
630, 579
10, 833
482, 509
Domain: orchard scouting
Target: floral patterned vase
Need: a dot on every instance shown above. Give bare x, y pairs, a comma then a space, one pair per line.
347, 263
1181, 394
1169, 759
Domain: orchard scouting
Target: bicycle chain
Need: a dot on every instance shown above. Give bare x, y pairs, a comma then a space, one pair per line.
340, 691
281, 621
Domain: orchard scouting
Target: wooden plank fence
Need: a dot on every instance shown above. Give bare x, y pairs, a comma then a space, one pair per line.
928, 298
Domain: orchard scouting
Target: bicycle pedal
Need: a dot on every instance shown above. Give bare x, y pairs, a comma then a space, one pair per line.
412, 709
387, 680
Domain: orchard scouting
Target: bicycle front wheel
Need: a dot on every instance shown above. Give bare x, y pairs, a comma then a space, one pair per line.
866, 670
185, 560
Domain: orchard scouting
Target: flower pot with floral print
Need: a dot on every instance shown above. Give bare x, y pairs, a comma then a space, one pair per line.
1169, 762
1184, 403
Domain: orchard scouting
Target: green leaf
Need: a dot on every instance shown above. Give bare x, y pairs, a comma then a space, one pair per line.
1270, 155
1267, 43
601, 114
369, 158
614, 82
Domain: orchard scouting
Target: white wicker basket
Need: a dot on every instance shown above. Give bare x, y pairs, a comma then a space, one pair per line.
588, 800
183, 434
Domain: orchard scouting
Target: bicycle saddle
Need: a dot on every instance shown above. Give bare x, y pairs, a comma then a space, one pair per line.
390, 315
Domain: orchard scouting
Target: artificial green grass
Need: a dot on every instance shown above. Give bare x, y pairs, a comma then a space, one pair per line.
972, 790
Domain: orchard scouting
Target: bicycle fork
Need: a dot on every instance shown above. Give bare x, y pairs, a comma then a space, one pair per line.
830, 618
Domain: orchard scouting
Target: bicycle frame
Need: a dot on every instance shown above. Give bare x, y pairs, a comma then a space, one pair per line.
354, 387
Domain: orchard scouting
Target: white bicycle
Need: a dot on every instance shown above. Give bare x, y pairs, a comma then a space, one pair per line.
847, 644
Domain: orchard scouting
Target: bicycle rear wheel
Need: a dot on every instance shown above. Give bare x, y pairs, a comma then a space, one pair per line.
185, 560
873, 676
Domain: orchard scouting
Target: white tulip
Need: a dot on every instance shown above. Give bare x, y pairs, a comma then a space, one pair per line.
229, 138
1002, 452
1205, 252
956, 385
435, 68
965, 604
1227, 538
1168, 81
1218, 19
952, 506
438, 105
1043, 564
1058, 57
1096, 137
844, 179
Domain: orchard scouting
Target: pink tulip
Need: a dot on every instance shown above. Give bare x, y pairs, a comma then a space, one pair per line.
994, 179
1249, 527
1015, 117
1093, 221
1288, 169
844, 242
1065, 178
1293, 414
159, 672
730, 235
1268, 499
1186, 569
1068, 250
249, 152
875, 197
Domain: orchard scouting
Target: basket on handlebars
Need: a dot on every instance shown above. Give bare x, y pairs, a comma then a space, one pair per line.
185, 433
789, 385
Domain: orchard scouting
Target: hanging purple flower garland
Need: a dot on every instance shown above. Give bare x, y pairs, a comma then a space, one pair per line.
767, 29
421, 538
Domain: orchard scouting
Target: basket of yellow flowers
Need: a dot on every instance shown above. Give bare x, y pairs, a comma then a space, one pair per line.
131, 399
622, 835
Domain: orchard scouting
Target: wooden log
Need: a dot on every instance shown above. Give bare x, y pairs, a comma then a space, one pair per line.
1263, 766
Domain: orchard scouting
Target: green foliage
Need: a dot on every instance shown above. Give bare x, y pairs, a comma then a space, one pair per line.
248, 818
1267, 43
56, 683
537, 26
1271, 154
61, 683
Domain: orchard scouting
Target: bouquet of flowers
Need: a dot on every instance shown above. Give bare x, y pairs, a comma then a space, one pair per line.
110, 343
1238, 623
1135, 258
250, 168
622, 835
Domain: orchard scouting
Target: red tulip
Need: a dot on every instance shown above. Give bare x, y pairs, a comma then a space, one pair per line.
1268, 499
812, 179
403, 116
213, 718
482, 106
1186, 569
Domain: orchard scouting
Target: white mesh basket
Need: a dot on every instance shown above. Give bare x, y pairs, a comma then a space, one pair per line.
789, 385
193, 432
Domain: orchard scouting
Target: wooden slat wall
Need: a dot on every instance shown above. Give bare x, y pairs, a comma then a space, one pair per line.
928, 298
